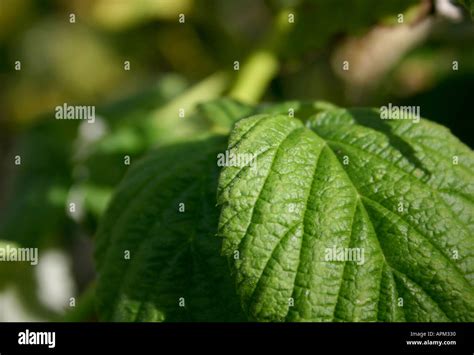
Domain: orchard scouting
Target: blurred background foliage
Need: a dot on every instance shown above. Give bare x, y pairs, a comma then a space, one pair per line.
176, 65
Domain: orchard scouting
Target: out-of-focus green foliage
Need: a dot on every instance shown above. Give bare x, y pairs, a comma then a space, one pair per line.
469, 4
155, 80
38, 186
316, 22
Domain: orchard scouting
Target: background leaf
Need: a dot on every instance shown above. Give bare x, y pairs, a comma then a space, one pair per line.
469, 4
35, 208
224, 112
174, 255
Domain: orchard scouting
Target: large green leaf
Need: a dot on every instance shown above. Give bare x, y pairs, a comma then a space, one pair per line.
174, 255
350, 182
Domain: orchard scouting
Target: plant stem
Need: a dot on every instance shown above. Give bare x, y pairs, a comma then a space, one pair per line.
263, 64
255, 76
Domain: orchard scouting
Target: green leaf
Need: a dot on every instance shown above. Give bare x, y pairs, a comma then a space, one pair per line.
351, 218
223, 112
174, 255
167, 126
300, 109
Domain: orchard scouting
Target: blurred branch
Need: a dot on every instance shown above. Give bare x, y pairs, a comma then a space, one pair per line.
373, 55
263, 64
255, 76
